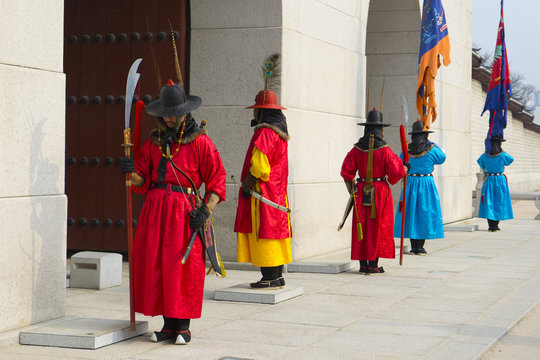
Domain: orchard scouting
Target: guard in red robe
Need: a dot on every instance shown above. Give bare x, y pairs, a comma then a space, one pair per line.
264, 232
170, 214
373, 217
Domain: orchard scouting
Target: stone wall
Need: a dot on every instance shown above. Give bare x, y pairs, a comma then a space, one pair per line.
32, 202
323, 87
393, 36
330, 51
322, 67
230, 41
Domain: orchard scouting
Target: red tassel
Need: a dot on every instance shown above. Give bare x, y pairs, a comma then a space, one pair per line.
482, 198
137, 130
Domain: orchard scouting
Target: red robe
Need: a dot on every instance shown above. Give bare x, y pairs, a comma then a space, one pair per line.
274, 224
378, 241
163, 286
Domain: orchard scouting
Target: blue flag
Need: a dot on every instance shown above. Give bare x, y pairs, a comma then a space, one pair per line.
499, 88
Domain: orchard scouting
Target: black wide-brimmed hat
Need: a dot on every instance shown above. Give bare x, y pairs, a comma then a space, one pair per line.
418, 128
173, 101
497, 137
374, 118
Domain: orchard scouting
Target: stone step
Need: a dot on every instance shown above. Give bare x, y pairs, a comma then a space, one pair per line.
81, 333
322, 267
244, 293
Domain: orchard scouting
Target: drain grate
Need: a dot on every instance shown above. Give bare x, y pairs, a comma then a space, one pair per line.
440, 272
479, 257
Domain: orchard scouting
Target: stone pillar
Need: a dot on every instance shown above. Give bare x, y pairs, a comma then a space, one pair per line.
478, 193
33, 207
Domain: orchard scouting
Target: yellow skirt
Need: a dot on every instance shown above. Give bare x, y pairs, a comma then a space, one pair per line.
262, 252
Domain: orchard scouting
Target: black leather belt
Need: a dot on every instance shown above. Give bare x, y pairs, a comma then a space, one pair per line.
374, 179
175, 188
493, 174
419, 175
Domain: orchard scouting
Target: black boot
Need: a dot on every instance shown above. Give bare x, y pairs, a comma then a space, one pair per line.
363, 266
183, 335
167, 332
414, 247
374, 268
272, 278
420, 247
493, 225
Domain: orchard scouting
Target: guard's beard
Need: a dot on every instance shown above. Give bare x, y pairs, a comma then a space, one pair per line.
167, 138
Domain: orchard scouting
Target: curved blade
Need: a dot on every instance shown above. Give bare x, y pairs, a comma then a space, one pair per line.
348, 208
405, 112
261, 198
131, 84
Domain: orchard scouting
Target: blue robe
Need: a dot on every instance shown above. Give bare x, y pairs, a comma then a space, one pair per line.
495, 202
423, 217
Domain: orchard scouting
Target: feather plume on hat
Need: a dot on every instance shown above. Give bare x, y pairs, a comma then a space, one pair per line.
267, 99
271, 72
175, 51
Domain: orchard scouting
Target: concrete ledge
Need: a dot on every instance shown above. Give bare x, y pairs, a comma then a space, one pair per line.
82, 333
322, 267
525, 195
243, 293
461, 227
233, 265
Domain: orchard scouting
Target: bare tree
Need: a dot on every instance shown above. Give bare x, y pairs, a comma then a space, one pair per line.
522, 91
486, 57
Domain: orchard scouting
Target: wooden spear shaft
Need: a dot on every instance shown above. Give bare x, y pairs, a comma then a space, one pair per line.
405, 151
127, 153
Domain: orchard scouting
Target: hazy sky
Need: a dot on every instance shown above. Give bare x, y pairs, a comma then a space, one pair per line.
522, 31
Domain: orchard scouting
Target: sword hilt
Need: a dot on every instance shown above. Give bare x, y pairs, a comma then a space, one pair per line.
190, 245
127, 145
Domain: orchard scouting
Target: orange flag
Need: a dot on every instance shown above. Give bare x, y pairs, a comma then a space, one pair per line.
434, 41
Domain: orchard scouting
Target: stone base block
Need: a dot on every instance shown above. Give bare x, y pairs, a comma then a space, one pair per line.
95, 270
322, 267
461, 227
82, 333
243, 293
406, 247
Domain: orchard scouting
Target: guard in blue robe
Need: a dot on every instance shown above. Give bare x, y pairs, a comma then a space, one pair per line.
495, 202
423, 217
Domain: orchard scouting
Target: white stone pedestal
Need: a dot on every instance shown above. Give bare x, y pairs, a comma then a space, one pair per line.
461, 227
82, 333
243, 293
322, 267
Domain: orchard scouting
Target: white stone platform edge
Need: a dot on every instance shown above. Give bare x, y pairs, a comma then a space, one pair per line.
330, 267
243, 293
39, 337
462, 227
11, 337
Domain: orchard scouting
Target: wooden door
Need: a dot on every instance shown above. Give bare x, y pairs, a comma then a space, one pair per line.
102, 39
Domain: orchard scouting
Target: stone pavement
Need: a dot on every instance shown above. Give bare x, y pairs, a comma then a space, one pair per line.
452, 304
522, 341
